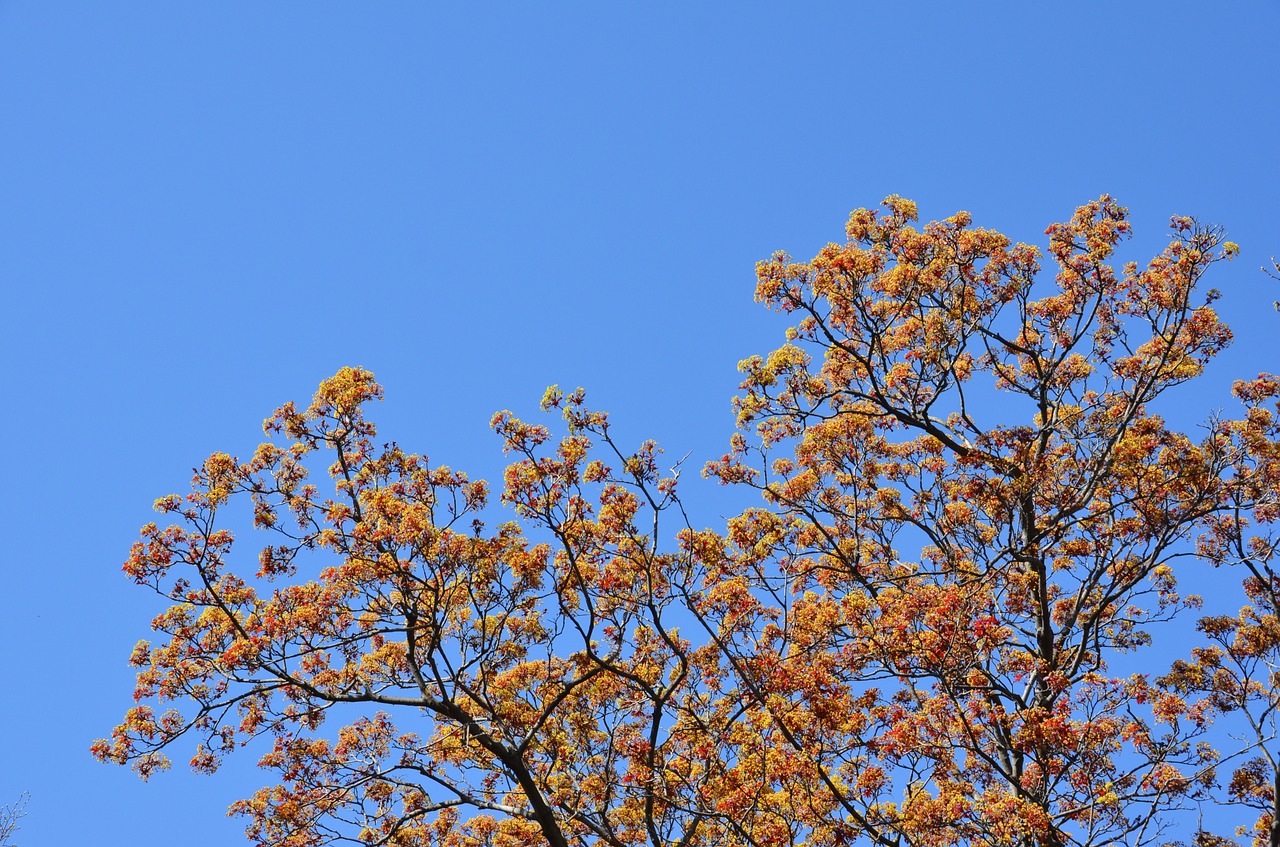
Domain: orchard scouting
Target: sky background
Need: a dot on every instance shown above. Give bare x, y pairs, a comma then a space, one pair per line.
206, 208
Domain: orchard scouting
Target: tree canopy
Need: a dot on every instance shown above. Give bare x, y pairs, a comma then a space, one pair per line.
972, 516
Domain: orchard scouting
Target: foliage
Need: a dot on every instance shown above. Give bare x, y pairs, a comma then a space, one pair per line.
972, 515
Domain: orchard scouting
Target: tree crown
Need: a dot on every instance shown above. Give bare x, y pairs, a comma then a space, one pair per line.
970, 508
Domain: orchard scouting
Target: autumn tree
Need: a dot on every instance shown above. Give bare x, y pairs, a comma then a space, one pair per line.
972, 520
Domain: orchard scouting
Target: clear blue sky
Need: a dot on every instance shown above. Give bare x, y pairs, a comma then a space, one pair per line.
205, 208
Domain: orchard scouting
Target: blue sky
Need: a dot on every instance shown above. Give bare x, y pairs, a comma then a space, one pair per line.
206, 208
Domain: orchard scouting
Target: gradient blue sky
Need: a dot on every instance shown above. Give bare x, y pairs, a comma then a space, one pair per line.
206, 208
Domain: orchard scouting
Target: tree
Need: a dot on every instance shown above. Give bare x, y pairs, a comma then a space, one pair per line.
972, 514
10, 814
